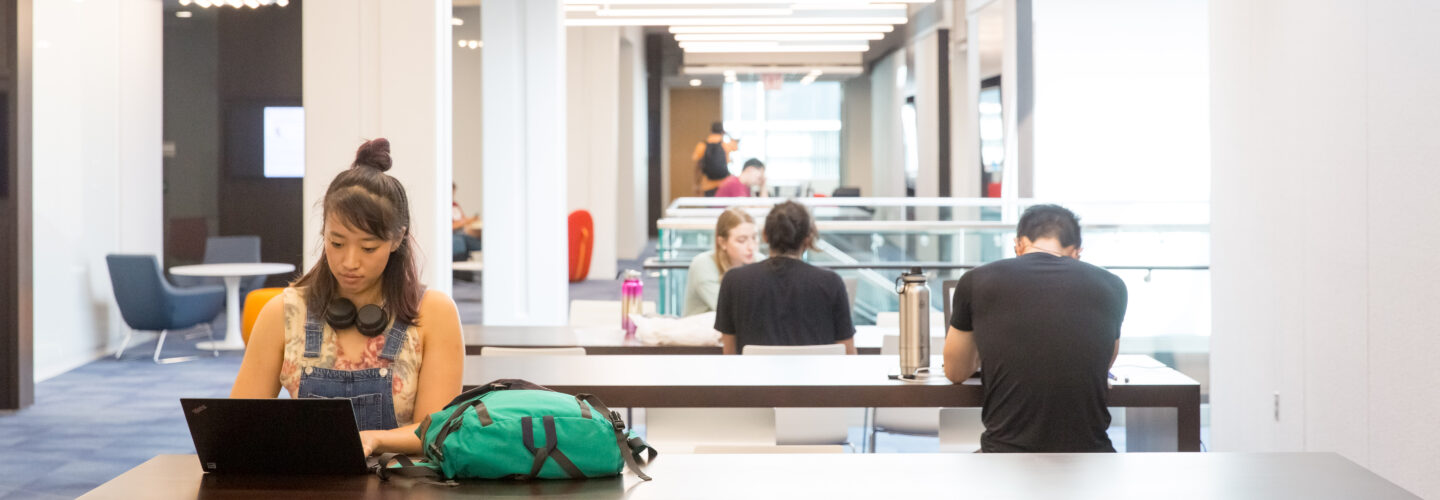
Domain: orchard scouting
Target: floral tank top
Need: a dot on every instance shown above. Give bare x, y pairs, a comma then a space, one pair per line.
321, 356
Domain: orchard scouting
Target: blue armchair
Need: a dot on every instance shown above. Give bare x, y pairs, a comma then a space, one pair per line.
148, 302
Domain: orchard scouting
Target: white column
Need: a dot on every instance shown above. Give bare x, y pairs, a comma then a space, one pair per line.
593, 138
358, 88
526, 248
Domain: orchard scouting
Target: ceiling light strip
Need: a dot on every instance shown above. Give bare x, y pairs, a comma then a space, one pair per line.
728, 21
859, 28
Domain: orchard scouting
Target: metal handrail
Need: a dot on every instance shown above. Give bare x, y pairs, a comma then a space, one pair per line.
651, 264
911, 225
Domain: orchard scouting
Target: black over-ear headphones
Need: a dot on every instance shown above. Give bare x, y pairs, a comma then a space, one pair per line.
370, 320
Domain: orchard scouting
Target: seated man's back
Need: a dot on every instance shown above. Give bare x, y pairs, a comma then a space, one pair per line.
1046, 328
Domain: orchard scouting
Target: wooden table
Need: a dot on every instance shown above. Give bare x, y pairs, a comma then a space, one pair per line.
1229, 476
612, 341
675, 381
232, 273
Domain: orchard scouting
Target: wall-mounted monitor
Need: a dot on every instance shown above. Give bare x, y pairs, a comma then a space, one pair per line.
284, 141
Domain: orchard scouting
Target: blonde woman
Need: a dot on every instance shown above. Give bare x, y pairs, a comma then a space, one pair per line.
736, 241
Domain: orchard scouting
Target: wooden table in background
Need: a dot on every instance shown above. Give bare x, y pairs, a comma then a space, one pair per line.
611, 341
678, 381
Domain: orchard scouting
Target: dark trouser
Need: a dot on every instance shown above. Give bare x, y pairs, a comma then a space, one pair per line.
462, 244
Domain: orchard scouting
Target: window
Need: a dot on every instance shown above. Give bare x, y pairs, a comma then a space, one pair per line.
794, 130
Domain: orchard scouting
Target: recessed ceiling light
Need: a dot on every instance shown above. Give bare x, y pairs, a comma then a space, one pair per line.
183, 14
455, 21
695, 82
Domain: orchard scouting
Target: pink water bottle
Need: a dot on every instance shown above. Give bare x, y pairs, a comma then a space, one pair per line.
632, 295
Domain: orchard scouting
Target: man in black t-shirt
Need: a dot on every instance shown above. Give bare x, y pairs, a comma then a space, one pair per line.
1044, 328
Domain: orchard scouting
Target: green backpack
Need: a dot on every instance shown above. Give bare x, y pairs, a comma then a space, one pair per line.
516, 429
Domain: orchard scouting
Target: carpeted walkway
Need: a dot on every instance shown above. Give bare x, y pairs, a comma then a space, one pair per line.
98, 421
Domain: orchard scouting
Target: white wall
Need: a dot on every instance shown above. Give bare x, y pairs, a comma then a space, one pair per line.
1121, 103
634, 146
1323, 224
592, 59
97, 180
855, 135
887, 153
358, 88
925, 50
467, 125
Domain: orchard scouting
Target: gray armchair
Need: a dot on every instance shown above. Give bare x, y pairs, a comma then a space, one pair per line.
148, 302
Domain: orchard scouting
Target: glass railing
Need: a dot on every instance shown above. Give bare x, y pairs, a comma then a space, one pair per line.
1160, 250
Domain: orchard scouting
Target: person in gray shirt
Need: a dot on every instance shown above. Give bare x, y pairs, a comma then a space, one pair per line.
736, 241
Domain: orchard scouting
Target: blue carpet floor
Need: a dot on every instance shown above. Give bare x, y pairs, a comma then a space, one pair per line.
98, 421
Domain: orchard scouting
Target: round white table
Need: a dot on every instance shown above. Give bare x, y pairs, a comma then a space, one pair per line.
232, 274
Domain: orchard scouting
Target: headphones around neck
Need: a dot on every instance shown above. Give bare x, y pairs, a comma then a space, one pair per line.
370, 320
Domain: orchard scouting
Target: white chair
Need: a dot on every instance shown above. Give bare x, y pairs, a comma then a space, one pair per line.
915, 421
960, 430
809, 426
769, 450
685, 430
532, 351
601, 312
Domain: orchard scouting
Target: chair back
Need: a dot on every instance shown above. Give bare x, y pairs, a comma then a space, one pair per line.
231, 250
786, 350
139, 290
601, 313
255, 302
532, 351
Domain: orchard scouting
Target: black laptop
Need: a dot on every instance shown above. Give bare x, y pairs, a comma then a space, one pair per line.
275, 436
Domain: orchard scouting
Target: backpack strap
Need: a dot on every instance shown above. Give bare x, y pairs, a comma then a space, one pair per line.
552, 440
422, 473
628, 451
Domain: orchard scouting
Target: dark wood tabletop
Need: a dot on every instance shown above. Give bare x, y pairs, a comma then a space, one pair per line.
612, 341
677, 381
1229, 476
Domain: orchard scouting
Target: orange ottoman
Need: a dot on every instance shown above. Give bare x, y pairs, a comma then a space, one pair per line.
254, 302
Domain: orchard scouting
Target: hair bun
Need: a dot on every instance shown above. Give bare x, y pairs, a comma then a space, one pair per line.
374, 153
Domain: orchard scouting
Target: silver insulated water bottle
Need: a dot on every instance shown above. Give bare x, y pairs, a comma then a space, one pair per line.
914, 322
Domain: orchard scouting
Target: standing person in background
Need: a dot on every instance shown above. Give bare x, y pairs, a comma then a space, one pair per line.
752, 176
784, 300
712, 158
735, 243
463, 239
1046, 329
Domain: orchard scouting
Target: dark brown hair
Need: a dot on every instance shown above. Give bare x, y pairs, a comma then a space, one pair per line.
789, 229
364, 197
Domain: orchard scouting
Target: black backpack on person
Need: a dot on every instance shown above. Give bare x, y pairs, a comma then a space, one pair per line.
714, 164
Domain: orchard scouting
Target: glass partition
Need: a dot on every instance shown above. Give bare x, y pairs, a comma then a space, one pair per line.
1160, 250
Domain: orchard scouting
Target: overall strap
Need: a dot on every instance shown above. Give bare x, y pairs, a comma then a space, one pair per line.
394, 340
314, 334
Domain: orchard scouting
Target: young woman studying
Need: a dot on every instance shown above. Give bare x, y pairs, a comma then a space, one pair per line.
359, 324
736, 240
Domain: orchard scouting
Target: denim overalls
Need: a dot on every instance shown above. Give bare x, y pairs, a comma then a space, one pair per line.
370, 391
